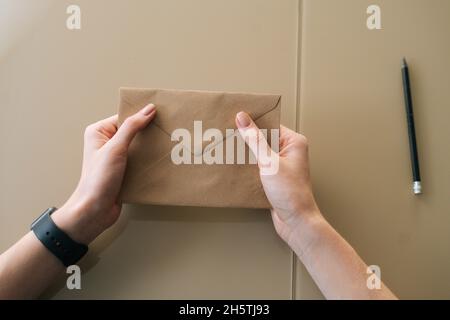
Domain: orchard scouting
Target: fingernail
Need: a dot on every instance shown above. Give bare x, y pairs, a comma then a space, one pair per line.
243, 119
148, 109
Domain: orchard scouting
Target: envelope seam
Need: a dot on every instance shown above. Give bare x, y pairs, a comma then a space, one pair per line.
256, 119
224, 138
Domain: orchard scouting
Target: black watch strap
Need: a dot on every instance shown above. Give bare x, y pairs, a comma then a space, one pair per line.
56, 241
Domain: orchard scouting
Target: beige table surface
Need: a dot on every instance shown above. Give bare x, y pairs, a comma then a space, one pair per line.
352, 110
54, 82
341, 86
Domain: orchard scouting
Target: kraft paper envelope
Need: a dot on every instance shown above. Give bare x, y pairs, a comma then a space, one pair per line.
152, 177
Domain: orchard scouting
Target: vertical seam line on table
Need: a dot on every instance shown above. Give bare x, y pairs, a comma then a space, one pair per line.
297, 125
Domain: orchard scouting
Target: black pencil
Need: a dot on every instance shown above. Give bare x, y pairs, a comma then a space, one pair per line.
417, 186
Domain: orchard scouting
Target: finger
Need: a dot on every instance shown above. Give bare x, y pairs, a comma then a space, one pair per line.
252, 136
108, 126
292, 142
132, 125
110, 121
285, 131
288, 133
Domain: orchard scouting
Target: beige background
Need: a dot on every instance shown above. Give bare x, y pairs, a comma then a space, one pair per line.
347, 86
353, 113
54, 82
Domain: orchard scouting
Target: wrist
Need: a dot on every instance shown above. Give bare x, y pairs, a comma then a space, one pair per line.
309, 230
75, 221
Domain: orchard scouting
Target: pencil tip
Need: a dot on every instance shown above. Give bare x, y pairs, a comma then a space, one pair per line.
404, 62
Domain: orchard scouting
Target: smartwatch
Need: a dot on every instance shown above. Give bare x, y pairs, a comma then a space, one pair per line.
57, 241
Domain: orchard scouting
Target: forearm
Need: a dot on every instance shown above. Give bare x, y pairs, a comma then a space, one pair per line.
334, 265
28, 267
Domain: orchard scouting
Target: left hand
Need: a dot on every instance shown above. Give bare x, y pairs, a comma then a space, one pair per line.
94, 207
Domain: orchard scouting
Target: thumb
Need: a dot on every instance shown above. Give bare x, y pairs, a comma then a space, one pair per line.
132, 125
255, 139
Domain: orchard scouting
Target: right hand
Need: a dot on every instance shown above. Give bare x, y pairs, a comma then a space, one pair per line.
288, 190
333, 264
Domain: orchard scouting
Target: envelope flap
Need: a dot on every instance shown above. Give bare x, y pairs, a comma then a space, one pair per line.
180, 108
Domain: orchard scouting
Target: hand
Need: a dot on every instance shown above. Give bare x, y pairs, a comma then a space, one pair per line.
289, 189
94, 206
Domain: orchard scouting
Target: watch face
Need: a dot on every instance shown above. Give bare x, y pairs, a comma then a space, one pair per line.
49, 211
35, 222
